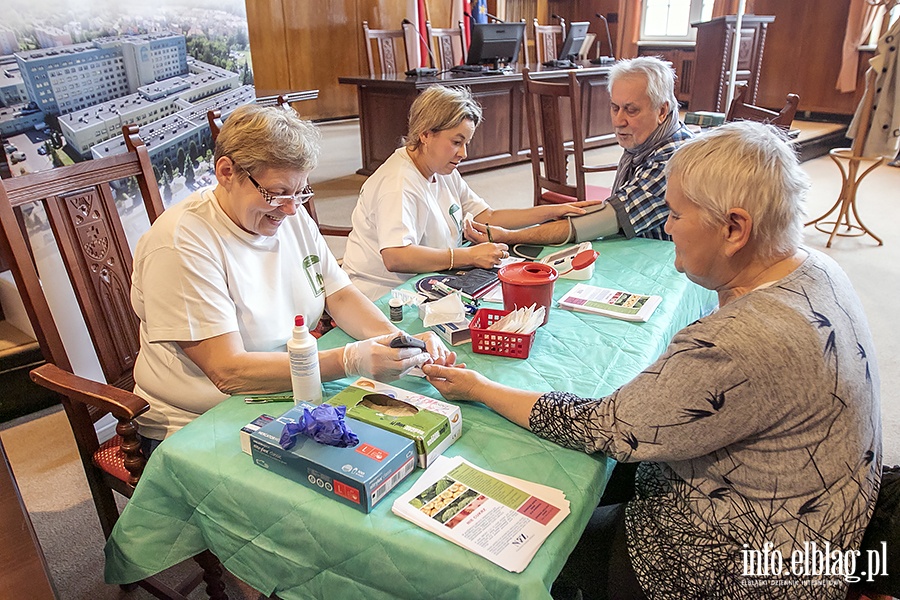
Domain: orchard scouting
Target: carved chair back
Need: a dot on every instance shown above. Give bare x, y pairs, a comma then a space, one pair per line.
389, 49
80, 205
548, 39
741, 111
553, 115
448, 46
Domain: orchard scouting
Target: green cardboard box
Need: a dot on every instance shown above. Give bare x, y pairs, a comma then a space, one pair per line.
432, 424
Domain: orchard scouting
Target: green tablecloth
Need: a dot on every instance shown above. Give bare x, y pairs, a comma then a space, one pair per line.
200, 491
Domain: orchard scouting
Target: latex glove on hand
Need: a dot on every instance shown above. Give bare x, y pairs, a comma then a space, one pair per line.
375, 359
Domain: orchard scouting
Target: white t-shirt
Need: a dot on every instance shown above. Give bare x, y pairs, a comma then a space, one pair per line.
398, 207
198, 275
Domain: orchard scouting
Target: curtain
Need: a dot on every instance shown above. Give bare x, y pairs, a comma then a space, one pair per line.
861, 15
730, 7
629, 30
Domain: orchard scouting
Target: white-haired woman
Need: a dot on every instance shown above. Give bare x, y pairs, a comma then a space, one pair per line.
219, 277
410, 214
758, 429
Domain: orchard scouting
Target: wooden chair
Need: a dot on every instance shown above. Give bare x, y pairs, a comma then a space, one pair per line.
390, 49
525, 52
847, 216
214, 117
585, 52
80, 203
548, 39
548, 135
447, 45
741, 111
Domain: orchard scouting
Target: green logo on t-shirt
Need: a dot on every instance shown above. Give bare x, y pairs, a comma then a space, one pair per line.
316, 282
454, 209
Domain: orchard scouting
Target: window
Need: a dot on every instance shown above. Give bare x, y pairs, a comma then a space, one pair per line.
670, 20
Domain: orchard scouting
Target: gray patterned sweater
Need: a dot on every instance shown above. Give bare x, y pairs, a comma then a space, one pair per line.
760, 423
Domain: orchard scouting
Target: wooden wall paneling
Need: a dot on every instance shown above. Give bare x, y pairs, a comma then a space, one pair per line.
323, 40
500, 133
802, 56
268, 46
586, 11
595, 114
439, 13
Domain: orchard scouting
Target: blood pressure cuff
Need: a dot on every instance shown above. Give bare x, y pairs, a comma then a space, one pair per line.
597, 223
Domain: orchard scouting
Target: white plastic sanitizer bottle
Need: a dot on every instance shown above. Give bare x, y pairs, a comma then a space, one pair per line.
306, 380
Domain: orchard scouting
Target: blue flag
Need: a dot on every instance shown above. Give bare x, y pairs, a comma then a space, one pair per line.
479, 11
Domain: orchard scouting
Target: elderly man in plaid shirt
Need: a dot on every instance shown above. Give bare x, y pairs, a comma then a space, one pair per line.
645, 116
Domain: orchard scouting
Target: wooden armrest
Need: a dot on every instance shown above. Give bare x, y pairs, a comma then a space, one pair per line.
600, 168
122, 404
335, 230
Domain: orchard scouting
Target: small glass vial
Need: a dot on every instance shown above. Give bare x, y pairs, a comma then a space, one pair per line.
396, 306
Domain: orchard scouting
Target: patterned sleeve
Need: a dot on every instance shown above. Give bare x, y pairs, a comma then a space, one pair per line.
694, 400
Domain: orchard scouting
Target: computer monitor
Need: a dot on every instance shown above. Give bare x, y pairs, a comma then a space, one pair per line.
495, 43
574, 40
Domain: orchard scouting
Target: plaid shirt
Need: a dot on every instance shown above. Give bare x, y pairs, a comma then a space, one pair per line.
640, 204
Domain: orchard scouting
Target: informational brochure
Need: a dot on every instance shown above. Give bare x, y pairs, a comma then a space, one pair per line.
502, 518
611, 303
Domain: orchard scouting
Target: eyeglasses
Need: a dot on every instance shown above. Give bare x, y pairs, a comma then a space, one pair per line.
301, 197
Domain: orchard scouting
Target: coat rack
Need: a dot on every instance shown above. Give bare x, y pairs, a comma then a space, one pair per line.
848, 223
846, 202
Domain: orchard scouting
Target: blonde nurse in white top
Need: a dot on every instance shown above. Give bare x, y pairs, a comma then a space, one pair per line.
409, 217
219, 277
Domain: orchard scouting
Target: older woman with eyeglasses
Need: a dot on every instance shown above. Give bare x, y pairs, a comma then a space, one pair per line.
219, 277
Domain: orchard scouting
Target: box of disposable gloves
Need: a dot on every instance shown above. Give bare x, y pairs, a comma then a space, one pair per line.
360, 474
432, 424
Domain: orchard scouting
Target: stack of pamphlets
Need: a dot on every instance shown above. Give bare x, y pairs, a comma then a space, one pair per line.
501, 518
608, 302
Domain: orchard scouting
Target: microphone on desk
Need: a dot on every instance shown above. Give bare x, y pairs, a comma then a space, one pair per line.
488, 15
612, 57
421, 71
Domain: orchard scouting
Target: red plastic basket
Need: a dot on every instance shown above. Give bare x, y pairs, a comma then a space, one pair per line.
499, 343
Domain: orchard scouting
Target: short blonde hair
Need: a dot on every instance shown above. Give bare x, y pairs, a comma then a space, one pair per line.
257, 137
439, 108
746, 165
